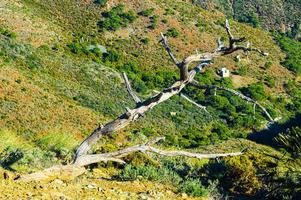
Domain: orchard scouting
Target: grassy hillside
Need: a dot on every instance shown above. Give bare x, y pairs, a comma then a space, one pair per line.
60, 78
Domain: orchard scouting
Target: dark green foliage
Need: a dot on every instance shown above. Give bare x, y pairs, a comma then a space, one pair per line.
147, 12
164, 21
116, 18
293, 89
255, 91
292, 48
251, 19
145, 40
291, 140
150, 173
193, 188
100, 2
173, 32
7, 33
10, 156
111, 56
270, 81
268, 64
33, 61
154, 21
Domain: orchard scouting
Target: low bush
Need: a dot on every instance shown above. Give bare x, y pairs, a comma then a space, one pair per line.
7, 33
116, 18
154, 22
193, 187
255, 91
147, 12
100, 2
173, 32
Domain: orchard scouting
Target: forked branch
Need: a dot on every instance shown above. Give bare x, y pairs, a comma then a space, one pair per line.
221, 50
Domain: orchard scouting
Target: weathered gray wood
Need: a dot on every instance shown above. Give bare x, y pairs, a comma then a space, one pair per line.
244, 97
129, 88
194, 103
115, 156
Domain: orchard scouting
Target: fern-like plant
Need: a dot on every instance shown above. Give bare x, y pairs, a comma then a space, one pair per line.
291, 140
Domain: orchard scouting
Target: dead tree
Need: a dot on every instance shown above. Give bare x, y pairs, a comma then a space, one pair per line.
82, 158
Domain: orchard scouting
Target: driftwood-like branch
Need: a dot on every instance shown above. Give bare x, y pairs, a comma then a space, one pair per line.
193, 102
115, 156
248, 99
129, 88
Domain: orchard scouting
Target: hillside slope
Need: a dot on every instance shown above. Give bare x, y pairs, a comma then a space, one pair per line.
271, 15
60, 78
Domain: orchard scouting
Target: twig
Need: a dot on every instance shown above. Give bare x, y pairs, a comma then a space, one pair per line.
129, 88
194, 103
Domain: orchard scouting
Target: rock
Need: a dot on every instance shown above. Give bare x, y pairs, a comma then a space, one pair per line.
92, 186
184, 195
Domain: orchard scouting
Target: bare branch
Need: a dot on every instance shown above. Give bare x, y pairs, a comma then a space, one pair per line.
237, 94
194, 103
228, 29
129, 88
115, 156
168, 49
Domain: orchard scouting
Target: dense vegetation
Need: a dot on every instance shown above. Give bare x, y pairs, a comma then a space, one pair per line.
292, 49
282, 15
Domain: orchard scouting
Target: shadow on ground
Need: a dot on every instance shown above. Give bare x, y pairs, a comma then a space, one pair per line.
267, 136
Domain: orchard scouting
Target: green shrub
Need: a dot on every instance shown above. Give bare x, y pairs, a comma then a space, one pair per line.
255, 91
193, 188
173, 32
251, 19
240, 177
154, 22
7, 33
74, 47
243, 70
33, 61
269, 81
100, 2
111, 56
147, 12
116, 18
162, 175
145, 40
268, 64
